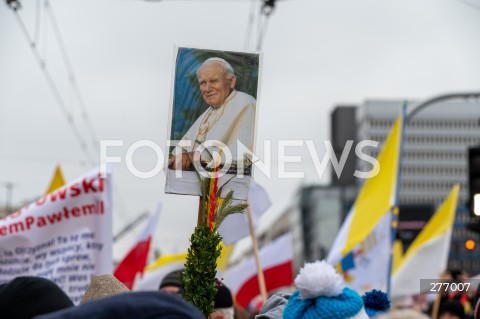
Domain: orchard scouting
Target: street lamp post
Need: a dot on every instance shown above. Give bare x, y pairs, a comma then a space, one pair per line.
411, 112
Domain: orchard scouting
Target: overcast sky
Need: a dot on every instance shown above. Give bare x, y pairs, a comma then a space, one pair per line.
316, 54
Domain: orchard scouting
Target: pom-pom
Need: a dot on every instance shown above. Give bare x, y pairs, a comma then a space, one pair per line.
319, 279
376, 300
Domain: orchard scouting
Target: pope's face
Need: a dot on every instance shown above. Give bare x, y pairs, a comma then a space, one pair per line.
214, 84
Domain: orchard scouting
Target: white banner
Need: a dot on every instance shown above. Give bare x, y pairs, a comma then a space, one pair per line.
65, 236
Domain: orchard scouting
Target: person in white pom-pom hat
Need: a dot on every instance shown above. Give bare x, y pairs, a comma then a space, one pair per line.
322, 294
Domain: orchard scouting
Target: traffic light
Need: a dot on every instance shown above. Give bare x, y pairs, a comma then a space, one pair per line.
474, 180
470, 244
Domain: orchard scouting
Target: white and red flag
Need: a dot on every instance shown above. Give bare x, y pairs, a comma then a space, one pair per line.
135, 261
276, 259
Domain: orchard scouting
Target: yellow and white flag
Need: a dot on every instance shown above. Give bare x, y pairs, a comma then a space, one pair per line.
361, 250
427, 256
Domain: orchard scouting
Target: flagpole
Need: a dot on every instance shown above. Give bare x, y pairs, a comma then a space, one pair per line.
261, 277
200, 215
436, 306
395, 210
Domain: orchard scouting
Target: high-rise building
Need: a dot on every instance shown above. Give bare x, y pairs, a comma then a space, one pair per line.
435, 146
322, 210
435, 157
343, 128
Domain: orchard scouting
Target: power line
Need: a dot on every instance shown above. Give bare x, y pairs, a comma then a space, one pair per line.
262, 18
268, 6
33, 43
54, 89
250, 23
58, 98
262, 32
130, 226
470, 4
71, 74
40, 159
38, 20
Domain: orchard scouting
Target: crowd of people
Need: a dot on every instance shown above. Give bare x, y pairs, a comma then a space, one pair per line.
321, 293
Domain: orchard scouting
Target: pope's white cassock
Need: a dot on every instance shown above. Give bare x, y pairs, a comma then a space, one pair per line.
231, 122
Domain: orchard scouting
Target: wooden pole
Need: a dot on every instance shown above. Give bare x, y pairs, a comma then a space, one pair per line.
436, 306
200, 215
261, 277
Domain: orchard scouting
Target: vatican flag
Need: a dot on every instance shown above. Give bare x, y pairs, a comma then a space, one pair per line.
361, 251
427, 256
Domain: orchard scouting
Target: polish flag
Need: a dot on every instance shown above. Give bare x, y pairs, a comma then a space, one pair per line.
276, 259
136, 259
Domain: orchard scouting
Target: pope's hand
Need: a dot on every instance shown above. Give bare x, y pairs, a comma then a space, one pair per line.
182, 163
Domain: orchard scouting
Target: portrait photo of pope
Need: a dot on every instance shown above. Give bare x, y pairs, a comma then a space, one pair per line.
214, 105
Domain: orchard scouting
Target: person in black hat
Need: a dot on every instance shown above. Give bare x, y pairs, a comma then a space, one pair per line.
223, 308
452, 310
27, 297
171, 283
